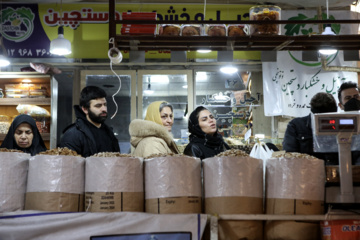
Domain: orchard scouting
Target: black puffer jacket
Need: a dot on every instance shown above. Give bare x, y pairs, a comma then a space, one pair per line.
79, 138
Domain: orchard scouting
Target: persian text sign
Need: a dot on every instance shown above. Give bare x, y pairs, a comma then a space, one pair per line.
289, 85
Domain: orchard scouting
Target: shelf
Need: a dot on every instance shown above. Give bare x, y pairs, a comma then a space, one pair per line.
243, 43
17, 101
45, 136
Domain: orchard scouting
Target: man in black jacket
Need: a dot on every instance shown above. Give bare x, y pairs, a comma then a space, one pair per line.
298, 135
349, 98
89, 134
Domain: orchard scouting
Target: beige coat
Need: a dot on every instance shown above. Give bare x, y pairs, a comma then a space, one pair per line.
149, 138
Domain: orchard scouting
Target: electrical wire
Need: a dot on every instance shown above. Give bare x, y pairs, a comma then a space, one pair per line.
113, 96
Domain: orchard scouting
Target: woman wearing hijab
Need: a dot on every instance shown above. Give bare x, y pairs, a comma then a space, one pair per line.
205, 141
153, 135
23, 135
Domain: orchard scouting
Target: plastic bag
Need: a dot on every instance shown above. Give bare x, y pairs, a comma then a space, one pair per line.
32, 110
261, 151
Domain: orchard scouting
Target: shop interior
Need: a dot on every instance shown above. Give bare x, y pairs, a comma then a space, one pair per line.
185, 78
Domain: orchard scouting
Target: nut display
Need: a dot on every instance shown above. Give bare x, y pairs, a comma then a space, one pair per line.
233, 153
244, 148
111, 154
264, 13
4, 124
9, 150
60, 151
163, 155
294, 155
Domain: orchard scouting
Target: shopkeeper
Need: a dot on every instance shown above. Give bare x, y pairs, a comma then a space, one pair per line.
205, 141
23, 135
89, 134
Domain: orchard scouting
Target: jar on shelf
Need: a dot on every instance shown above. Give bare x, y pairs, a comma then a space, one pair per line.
42, 123
5, 123
265, 13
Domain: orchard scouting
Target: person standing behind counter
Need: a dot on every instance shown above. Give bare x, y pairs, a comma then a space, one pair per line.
24, 135
205, 141
89, 134
298, 135
348, 95
153, 135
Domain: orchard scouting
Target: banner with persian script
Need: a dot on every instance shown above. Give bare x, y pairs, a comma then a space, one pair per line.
290, 83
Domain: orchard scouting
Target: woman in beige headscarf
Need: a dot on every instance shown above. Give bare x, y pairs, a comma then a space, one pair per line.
153, 135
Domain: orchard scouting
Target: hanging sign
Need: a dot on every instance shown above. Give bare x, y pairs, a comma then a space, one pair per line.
290, 83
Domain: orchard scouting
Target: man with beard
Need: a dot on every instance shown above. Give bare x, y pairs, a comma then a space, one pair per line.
349, 98
89, 134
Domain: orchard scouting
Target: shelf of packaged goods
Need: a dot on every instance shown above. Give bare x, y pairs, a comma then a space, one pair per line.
45, 136
17, 101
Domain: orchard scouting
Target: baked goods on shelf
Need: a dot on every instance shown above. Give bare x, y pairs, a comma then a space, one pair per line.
215, 30
235, 30
191, 30
169, 30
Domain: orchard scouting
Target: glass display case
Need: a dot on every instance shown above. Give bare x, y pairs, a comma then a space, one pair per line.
169, 86
229, 98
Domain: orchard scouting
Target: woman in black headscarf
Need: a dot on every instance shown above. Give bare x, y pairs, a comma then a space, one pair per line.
23, 135
205, 141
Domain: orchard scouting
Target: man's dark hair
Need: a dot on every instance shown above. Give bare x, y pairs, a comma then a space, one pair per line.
323, 102
165, 104
345, 85
90, 93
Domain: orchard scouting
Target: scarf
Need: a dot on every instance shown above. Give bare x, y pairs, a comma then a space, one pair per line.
37, 144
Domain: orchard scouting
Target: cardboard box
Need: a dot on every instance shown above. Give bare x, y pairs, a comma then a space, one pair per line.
340, 229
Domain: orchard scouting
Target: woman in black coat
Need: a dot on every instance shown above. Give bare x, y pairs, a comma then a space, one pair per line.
205, 141
23, 135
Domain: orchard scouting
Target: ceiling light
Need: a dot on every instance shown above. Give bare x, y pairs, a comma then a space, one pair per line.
185, 86
203, 51
228, 69
60, 45
328, 51
26, 81
327, 31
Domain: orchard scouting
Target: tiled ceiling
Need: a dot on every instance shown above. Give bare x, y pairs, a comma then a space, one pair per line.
286, 4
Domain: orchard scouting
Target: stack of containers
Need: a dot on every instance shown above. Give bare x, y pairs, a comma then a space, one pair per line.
138, 29
173, 184
234, 185
55, 183
13, 176
114, 184
295, 186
